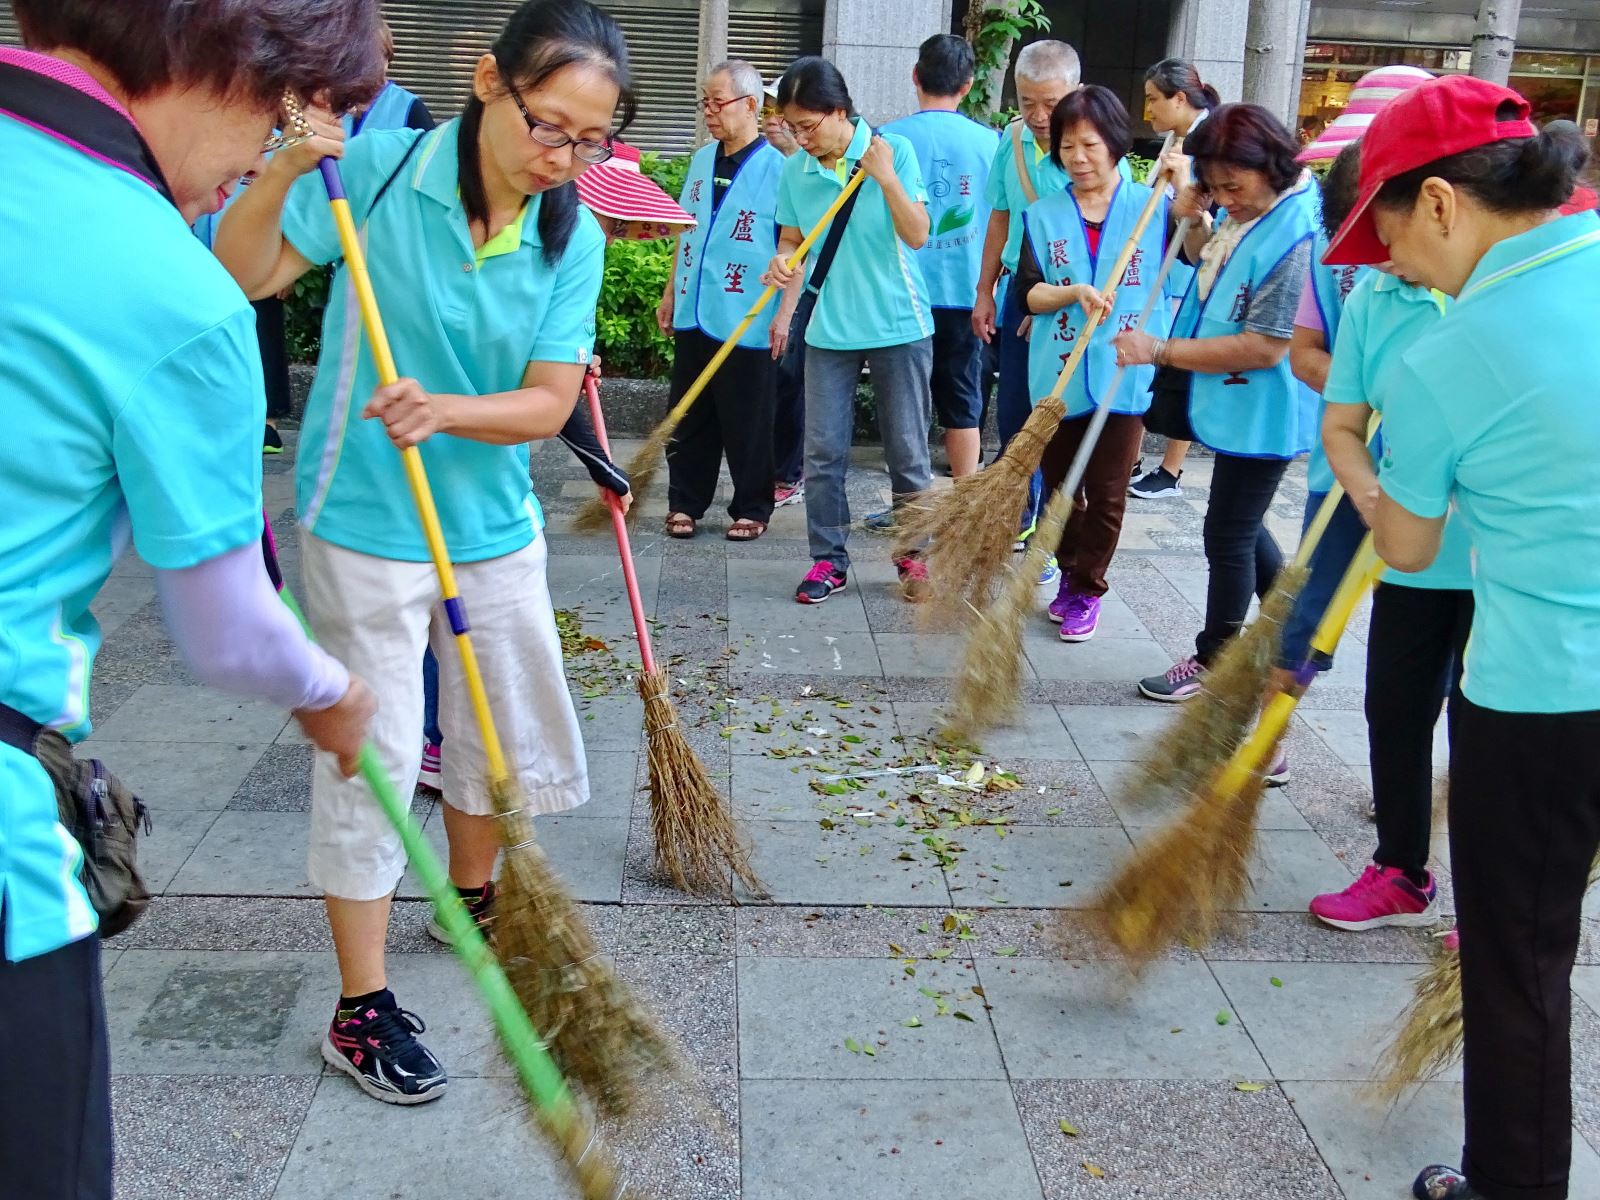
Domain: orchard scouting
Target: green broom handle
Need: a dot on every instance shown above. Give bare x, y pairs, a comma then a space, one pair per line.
538, 1071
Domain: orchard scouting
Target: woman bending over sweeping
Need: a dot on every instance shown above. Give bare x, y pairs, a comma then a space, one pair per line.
134, 406
487, 271
1224, 376
1494, 416
1071, 243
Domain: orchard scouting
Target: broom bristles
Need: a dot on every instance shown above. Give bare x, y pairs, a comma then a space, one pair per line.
1185, 882
965, 535
1428, 1040
599, 1034
697, 842
594, 516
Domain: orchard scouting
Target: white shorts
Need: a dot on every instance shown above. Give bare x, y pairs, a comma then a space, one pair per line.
377, 615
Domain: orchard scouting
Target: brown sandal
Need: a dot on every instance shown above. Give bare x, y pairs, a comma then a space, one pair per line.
745, 529
681, 525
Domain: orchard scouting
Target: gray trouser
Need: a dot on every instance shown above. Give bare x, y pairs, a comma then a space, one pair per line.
900, 376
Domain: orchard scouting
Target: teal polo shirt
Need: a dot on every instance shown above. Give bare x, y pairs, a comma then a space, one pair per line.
1004, 189
1383, 316
461, 322
1500, 414
133, 404
875, 294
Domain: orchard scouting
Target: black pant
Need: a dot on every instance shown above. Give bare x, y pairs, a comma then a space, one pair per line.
1242, 556
733, 415
1414, 651
789, 417
274, 355
957, 381
55, 1117
1524, 827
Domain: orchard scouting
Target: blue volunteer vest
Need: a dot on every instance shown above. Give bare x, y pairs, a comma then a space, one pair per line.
1055, 230
720, 260
1331, 287
388, 110
1253, 414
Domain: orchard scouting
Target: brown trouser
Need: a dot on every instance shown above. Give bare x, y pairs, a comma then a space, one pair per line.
1089, 541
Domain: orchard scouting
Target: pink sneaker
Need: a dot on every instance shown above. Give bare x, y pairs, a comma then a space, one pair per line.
429, 777
1382, 896
1451, 941
1081, 618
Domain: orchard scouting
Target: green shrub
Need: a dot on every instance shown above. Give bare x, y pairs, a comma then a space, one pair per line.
302, 314
626, 337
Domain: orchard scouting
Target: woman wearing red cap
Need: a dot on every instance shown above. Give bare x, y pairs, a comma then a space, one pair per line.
1498, 420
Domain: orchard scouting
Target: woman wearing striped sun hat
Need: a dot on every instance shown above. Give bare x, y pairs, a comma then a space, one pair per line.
1371, 92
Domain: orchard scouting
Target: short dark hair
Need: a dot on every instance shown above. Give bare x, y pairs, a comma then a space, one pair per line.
1511, 176
1097, 106
541, 38
1247, 136
815, 84
1340, 188
258, 49
1174, 75
945, 64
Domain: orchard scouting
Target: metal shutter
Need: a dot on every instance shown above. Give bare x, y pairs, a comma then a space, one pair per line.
771, 40
10, 35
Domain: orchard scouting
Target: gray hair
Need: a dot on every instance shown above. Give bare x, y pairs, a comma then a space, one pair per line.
745, 78
1049, 62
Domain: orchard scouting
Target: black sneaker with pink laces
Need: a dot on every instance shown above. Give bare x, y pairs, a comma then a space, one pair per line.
822, 581
374, 1041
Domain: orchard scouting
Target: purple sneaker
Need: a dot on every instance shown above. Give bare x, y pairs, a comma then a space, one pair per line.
1081, 619
1183, 681
1382, 896
1057, 611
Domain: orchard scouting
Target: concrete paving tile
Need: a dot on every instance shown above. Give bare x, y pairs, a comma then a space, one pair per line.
789, 726
591, 586
1346, 735
1059, 1020
1160, 1138
1052, 793
186, 1013
1125, 734
644, 883
1111, 660
1327, 1021
611, 722
1033, 731
761, 597
848, 865
586, 852
1376, 1152
187, 713
1288, 868
871, 1140
925, 655
351, 1148
613, 785
774, 789
208, 1137
1586, 984
170, 844
799, 1018
844, 932
1034, 866
1116, 777
826, 655
172, 775
249, 854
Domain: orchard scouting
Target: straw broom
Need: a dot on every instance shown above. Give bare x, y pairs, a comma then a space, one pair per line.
556, 1110
697, 842
595, 516
1182, 883
988, 685
1428, 1037
967, 531
598, 1032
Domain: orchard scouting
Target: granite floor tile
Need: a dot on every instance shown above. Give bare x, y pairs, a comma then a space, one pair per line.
1035, 867
187, 713
1033, 731
1119, 734
1116, 778
848, 865
249, 854
827, 655
172, 776
1111, 660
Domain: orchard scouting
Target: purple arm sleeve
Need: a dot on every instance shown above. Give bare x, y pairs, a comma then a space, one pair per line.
236, 635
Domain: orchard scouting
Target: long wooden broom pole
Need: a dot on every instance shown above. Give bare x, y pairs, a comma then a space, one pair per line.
355, 261
619, 525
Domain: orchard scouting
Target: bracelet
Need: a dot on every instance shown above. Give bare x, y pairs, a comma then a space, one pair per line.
1158, 352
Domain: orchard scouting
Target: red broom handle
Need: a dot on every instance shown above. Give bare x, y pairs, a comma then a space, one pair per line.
619, 524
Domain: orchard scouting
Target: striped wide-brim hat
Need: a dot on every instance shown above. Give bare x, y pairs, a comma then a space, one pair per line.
620, 190
1371, 92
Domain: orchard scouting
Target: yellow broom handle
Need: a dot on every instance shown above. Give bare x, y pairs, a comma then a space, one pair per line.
681, 409
1358, 580
356, 264
1319, 524
1117, 270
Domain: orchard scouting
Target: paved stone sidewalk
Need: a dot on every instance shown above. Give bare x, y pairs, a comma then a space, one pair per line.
901, 1022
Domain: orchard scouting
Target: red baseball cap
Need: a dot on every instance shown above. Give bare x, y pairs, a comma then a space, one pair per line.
1432, 121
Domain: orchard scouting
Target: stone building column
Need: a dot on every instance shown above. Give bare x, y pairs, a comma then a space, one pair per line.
874, 42
1210, 34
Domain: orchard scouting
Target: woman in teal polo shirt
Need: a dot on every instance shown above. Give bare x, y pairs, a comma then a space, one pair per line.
1494, 416
872, 309
487, 271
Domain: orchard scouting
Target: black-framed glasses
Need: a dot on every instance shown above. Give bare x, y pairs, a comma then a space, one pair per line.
553, 136
712, 107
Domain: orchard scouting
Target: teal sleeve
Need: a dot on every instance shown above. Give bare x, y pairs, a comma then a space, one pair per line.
1418, 466
909, 169
187, 446
567, 335
1347, 370
368, 161
994, 190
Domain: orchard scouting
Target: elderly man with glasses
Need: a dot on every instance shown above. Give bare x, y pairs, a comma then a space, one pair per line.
732, 192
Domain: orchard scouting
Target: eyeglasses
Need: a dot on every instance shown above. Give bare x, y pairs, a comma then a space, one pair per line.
804, 132
555, 137
712, 107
